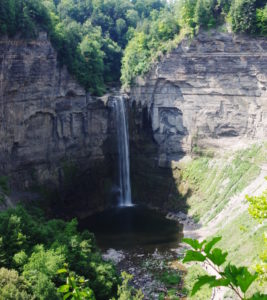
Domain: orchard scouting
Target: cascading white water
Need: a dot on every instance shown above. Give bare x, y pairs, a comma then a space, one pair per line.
123, 149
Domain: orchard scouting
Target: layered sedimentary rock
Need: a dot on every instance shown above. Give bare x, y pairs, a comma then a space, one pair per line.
207, 89
46, 119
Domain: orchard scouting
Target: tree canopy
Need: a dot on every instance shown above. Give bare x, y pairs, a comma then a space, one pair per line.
101, 41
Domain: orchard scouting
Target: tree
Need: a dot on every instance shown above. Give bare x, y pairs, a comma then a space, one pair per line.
186, 12
243, 14
132, 17
7, 17
204, 13
13, 286
121, 27
261, 15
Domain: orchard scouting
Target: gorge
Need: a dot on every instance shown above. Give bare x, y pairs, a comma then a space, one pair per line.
181, 103
206, 98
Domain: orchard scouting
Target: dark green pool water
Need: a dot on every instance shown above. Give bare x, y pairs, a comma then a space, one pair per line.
133, 227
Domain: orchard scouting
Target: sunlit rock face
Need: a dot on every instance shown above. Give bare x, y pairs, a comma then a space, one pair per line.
46, 118
210, 89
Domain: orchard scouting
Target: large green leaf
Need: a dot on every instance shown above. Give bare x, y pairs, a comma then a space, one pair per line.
63, 288
245, 279
206, 279
66, 296
231, 272
239, 276
193, 256
221, 282
195, 244
60, 271
217, 256
210, 244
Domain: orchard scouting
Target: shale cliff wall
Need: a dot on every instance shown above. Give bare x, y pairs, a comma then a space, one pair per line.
208, 90
46, 118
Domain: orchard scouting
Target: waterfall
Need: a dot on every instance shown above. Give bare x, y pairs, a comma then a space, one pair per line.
123, 149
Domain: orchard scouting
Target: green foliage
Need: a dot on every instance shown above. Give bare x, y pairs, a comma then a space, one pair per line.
204, 13
238, 279
13, 286
210, 280
25, 16
261, 267
192, 276
239, 276
258, 206
75, 286
193, 256
216, 180
249, 16
40, 271
186, 12
261, 16
258, 210
149, 40
195, 244
90, 36
170, 278
127, 292
4, 188
243, 13
37, 248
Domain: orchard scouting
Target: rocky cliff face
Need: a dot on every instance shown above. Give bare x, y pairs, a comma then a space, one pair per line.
206, 90
46, 119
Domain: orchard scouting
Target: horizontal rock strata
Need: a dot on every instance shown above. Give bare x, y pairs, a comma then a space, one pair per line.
46, 118
207, 89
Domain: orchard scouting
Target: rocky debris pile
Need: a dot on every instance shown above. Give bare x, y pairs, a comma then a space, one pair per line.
146, 268
182, 218
114, 256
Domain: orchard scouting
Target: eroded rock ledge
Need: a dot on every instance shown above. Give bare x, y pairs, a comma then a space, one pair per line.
207, 89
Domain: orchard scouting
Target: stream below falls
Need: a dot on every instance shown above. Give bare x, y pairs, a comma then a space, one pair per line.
140, 241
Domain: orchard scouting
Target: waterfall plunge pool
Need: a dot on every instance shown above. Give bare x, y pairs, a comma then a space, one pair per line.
133, 228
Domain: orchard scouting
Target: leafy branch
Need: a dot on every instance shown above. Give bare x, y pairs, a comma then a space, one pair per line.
75, 287
238, 279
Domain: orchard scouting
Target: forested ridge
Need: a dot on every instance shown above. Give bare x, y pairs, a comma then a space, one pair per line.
101, 41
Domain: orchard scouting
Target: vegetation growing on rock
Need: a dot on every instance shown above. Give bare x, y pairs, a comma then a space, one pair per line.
90, 36
187, 17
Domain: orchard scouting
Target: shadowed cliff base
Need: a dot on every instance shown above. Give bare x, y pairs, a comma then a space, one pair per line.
153, 183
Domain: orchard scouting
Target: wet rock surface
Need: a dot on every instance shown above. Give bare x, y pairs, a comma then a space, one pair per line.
182, 218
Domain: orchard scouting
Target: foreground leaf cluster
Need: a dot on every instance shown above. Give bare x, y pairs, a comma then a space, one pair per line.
238, 279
